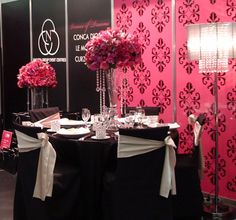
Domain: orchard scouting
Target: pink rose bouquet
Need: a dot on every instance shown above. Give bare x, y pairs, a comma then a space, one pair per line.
37, 74
112, 48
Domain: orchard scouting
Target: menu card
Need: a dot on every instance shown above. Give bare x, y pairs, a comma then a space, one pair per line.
6, 139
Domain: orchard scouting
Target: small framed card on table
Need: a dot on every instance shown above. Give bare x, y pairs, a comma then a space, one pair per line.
6, 139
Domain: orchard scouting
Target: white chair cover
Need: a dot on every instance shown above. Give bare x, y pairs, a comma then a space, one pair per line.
47, 158
197, 142
129, 146
197, 130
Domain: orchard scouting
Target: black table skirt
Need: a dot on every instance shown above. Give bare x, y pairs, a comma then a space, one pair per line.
96, 162
188, 203
85, 193
63, 203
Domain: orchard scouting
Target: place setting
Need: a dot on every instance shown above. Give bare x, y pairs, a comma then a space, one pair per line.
73, 132
67, 128
99, 128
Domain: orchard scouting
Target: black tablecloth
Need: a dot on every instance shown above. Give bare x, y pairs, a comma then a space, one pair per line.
90, 199
63, 203
96, 162
188, 203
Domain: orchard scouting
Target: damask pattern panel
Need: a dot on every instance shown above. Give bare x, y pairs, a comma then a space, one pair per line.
195, 94
227, 140
150, 84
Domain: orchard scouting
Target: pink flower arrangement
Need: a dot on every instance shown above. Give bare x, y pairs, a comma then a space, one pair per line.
112, 48
37, 74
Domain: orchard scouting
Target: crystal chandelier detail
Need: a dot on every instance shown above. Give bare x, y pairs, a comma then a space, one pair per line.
212, 45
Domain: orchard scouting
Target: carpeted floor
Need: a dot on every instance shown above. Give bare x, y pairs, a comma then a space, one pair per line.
7, 190
7, 186
230, 216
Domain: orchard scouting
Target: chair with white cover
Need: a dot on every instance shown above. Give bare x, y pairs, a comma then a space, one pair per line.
44, 188
149, 110
144, 175
188, 203
154, 110
41, 113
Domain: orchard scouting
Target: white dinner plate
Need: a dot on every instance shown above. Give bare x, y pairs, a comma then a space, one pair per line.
50, 130
121, 120
173, 125
95, 138
73, 132
153, 125
67, 122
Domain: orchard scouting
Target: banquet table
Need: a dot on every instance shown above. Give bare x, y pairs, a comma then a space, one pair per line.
96, 162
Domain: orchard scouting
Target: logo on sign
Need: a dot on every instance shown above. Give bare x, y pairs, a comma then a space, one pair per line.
48, 41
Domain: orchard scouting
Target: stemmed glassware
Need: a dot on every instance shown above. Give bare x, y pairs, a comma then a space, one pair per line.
140, 115
130, 118
113, 118
85, 115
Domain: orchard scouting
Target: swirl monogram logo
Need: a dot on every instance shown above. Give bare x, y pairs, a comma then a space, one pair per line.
48, 41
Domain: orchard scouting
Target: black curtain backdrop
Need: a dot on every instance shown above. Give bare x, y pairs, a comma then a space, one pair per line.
48, 28
16, 52
85, 18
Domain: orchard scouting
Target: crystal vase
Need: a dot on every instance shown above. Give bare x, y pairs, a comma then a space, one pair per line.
39, 97
111, 88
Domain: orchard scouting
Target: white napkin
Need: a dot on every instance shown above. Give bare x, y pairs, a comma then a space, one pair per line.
46, 163
46, 122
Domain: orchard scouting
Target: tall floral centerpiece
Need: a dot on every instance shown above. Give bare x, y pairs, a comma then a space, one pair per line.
108, 50
37, 76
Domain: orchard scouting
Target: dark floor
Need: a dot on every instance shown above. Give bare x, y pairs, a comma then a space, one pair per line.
7, 185
230, 216
225, 211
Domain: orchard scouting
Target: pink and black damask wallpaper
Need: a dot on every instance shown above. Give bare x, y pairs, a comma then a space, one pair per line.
155, 83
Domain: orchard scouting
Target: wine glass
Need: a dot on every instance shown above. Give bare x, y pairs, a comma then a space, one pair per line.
85, 115
130, 119
140, 116
133, 115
